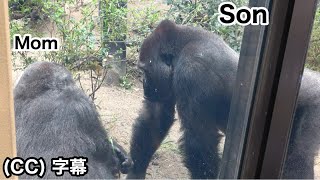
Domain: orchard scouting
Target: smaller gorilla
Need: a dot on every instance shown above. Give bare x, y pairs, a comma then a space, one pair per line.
55, 118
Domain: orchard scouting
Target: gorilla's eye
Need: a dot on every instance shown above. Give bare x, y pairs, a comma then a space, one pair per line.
167, 58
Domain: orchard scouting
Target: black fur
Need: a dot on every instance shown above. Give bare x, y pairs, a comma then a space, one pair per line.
304, 141
55, 118
195, 70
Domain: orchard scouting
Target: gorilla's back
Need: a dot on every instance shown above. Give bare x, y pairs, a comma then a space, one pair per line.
305, 136
55, 118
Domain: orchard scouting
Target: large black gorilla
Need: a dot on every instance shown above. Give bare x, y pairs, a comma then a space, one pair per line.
55, 118
195, 70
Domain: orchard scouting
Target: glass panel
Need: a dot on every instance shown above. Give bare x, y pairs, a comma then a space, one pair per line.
302, 161
129, 81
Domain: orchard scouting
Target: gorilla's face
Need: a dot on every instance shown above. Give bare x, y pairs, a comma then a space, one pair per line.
157, 82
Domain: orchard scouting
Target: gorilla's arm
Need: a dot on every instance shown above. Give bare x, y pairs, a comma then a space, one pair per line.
149, 130
125, 162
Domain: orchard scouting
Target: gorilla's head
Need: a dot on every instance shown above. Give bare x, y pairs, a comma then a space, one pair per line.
156, 62
42, 76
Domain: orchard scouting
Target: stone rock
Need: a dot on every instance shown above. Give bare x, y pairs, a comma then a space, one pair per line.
112, 78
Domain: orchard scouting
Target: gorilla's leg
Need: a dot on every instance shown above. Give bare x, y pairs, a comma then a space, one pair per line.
200, 145
148, 132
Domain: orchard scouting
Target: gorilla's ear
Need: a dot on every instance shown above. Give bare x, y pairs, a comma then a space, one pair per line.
167, 58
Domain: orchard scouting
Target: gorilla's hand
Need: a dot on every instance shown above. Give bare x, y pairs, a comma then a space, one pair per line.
125, 162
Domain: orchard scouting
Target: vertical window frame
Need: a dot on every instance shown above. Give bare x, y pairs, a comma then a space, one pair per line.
270, 115
295, 53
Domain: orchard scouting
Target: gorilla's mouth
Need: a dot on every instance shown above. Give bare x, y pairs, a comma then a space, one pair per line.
154, 95
156, 92
151, 93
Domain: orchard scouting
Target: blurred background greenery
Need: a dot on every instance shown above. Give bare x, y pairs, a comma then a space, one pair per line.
98, 34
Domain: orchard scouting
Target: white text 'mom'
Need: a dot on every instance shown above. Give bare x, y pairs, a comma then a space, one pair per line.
28, 43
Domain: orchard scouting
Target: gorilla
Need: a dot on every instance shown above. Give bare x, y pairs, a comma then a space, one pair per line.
55, 118
194, 70
305, 135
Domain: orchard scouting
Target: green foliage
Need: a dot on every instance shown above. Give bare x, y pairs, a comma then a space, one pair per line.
27, 9
313, 57
204, 13
143, 17
125, 82
169, 145
25, 58
85, 39
143, 20
113, 14
80, 43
